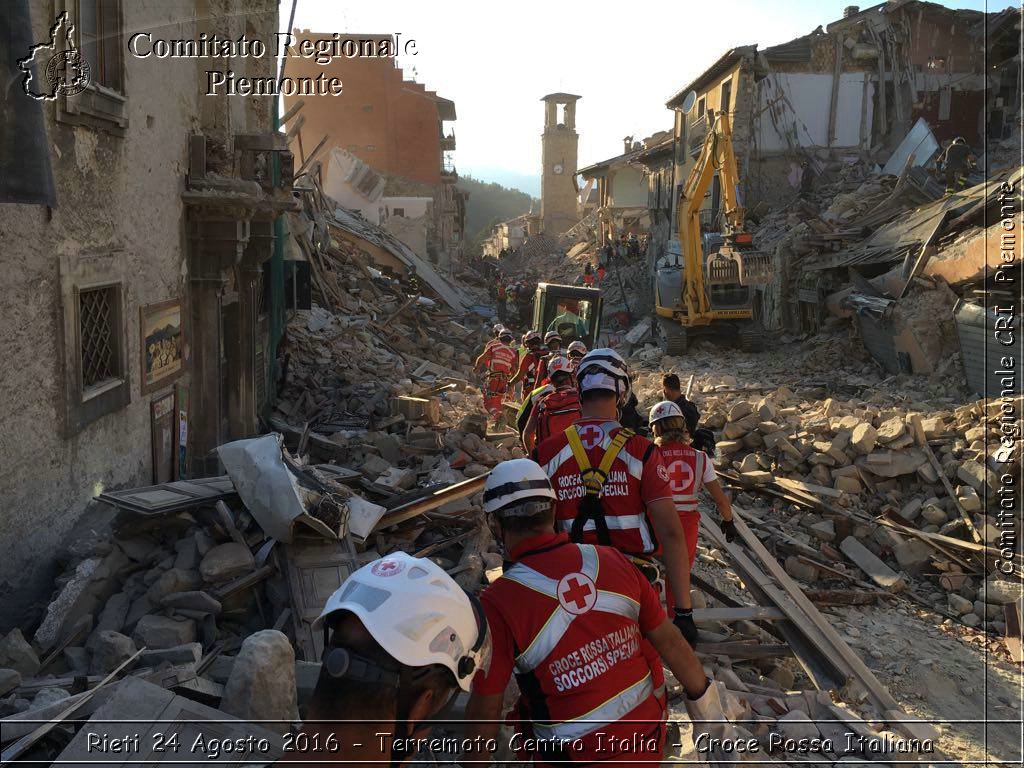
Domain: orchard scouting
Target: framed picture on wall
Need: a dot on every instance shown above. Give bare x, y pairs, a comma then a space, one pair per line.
161, 344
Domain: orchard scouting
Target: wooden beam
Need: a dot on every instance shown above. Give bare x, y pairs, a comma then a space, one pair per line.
432, 501
836, 646
741, 613
292, 112
915, 422
25, 742
804, 639
242, 582
741, 650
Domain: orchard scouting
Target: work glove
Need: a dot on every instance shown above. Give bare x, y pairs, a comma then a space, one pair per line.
729, 529
708, 717
684, 623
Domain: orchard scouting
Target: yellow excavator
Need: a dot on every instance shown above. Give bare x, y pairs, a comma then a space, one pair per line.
701, 292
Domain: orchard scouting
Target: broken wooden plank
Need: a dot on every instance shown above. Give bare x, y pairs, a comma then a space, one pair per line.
808, 488
432, 501
23, 744
919, 436
841, 597
805, 640
234, 586
742, 650
741, 613
838, 649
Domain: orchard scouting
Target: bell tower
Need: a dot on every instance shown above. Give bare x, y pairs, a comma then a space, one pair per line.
558, 208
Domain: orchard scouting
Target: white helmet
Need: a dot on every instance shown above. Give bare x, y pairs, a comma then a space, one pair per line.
417, 614
498, 328
664, 410
514, 481
531, 336
579, 347
559, 364
506, 336
552, 336
604, 368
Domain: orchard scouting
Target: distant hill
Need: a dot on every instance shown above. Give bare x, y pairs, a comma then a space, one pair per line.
489, 204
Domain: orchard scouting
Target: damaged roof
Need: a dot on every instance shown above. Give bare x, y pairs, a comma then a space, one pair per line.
720, 67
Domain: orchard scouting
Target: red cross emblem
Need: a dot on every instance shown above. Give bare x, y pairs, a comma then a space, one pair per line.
577, 593
591, 436
681, 475
385, 568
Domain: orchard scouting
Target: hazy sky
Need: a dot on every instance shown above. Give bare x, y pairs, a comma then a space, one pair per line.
496, 60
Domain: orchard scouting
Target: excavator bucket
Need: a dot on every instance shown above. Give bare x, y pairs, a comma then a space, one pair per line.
755, 267
722, 270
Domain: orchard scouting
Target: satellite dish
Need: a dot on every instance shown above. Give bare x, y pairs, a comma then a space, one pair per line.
689, 101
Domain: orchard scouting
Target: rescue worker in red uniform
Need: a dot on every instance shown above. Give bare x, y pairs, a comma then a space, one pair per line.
498, 361
552, 348
527, 373
569, 620
576, 350
556, 410
689, 470
612, 485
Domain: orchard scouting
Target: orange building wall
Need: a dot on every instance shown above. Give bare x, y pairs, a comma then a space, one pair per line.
387, 122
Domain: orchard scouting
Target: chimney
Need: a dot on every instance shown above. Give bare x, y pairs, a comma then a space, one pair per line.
850, 10
627, 144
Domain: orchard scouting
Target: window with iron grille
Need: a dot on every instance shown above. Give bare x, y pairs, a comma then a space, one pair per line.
99, 325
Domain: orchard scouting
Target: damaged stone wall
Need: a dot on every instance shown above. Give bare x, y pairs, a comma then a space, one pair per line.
118, 202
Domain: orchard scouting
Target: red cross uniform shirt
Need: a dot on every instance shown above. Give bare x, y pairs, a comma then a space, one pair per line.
569, 620
689, 470
500, 358
637, 478
528, 368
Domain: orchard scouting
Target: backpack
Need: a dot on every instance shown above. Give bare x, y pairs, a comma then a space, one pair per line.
557, 412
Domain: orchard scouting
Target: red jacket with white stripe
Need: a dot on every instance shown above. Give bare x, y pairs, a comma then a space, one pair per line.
688, 470
500, 359
637, 478
569, 619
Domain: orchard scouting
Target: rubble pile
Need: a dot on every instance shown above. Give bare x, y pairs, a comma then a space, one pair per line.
381, 444
176, 597
882, 484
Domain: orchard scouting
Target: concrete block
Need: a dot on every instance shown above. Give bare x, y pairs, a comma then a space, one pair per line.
878, 571
225, 562
155, 631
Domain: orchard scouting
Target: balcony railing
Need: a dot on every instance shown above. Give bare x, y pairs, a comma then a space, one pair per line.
448, 173
448, 143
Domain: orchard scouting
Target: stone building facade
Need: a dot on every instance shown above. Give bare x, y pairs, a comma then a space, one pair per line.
162, 226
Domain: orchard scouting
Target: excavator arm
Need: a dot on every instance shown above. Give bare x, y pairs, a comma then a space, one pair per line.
716, 155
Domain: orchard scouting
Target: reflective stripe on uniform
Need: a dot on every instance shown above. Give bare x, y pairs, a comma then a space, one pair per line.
618, 523
687, 501
615, 708
634, 466
559, 620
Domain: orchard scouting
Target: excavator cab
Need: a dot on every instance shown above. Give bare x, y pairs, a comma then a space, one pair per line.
574, 312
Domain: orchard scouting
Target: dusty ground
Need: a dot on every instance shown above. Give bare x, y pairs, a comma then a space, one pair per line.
937, 669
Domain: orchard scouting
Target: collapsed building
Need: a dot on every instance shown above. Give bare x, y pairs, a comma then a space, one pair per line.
384, 145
